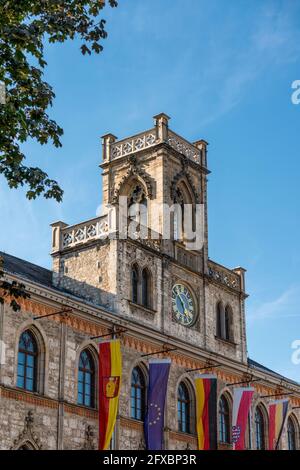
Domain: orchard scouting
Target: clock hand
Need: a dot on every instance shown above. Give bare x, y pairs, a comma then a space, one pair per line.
182, 302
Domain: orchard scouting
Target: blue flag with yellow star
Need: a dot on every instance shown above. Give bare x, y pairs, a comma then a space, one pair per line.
156, 397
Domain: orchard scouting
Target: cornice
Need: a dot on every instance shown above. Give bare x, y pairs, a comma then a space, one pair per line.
143, 338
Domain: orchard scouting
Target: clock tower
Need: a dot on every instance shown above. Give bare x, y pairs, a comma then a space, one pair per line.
148, 271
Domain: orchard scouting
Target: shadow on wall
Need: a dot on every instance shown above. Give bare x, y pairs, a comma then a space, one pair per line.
85, 291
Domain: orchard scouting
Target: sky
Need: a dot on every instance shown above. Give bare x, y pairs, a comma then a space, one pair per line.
223, 70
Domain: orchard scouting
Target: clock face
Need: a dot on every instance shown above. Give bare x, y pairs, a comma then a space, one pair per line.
183, 305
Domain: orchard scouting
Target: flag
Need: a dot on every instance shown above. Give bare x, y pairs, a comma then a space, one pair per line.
110, 371
206, 411
242, 397
278, 411
157, 390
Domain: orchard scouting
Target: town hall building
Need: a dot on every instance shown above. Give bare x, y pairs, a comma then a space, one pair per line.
161, 297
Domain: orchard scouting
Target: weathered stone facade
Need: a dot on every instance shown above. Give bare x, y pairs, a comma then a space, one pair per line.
92, 277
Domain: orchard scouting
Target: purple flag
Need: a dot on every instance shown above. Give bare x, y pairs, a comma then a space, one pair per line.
157, 389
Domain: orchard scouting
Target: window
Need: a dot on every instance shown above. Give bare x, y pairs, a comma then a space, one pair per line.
291, 432
137, 205
224, 421
134, 284
178, 215
146, 287
86, 379
259, 429
138, 394
223, 322
227, 334
183, 408
27, 362
219, 319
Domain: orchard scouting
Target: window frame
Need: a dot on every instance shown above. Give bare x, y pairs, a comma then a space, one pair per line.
92, 384
224, 420
27, 353
260, 432
143, 394
186, 425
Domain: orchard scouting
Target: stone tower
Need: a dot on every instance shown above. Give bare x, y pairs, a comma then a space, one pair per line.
154, 279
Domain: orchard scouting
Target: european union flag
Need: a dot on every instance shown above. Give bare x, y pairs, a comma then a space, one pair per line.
157, 390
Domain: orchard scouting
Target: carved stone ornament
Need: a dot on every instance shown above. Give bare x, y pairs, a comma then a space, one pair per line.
27, 438
142, 445
183, 174
133, 170
89, 438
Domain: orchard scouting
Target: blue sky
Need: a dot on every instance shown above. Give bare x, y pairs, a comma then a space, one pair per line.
223, 71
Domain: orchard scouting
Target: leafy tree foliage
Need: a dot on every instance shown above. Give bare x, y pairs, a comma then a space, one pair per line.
25, 25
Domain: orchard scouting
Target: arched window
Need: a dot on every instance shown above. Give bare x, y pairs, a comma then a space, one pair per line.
27, 362
137, 205
227, 323
219, 320
292, 434
146, 288
26, 446
138, 394
134, 283
86, 379
178, 215
260, 436
224, 420
184, 408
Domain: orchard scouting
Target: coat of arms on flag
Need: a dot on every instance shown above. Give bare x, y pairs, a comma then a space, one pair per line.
111, 386
236, 432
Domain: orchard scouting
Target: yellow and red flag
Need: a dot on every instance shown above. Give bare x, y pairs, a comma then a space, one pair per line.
206, 402
110, 371
278, 411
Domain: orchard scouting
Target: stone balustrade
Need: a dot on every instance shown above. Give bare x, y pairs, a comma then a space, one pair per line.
224, 276
67, 236
113, 148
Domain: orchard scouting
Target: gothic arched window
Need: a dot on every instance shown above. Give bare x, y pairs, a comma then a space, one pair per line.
178, 215
292, 434
224, 420
184, 408
27, 362
138, 394
219, 320
260, 436
134, 283
146, 288
86, 379
227, 323
137, 205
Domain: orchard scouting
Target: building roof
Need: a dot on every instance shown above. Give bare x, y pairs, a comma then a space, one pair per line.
256, 365
26, 270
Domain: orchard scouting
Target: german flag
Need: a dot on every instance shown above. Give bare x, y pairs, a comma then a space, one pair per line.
278, 411
110, 371
206, 411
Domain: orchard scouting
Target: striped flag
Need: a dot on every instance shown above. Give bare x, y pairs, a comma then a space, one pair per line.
206, 411
242, 397
157, 390
278, 411
110, 371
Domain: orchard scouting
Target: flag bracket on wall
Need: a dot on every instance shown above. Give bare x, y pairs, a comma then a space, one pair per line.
243, 382
204, 368
63, 311
112, 333
162, 351
284, 394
